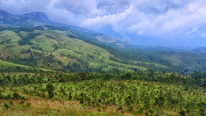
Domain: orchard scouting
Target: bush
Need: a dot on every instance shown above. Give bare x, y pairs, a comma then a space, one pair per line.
21, 102
182, 113
1, 96
50, 89
6, 105
11, 102
28, 104
8, 96
16, 96
120, 108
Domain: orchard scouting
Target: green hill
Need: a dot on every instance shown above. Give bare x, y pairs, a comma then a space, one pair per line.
57, 50
9, 66
69, 50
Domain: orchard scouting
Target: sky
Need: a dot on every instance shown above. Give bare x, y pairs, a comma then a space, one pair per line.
155, 22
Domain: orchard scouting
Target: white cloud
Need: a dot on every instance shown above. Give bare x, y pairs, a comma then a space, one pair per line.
203, 34
155, 18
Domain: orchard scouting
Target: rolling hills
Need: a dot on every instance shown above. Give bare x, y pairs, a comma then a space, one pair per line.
33, 40
55, 49
65, 49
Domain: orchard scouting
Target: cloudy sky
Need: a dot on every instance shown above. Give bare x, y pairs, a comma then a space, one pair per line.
182, 21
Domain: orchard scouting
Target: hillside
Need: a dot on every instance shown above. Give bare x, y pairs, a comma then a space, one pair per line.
69, 50
53, 69
58, 50
33, 40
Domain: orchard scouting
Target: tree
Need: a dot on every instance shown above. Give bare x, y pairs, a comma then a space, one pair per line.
50, 89
16, 96
6, 105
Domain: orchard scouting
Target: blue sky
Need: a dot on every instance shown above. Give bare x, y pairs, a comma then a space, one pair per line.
169, 22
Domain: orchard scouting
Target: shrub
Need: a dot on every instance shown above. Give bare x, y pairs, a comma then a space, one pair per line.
1, 96
120, 108
8, 96
16, 96
28, 104
21, 102
6, 105
11, 102
182, 113
50, 89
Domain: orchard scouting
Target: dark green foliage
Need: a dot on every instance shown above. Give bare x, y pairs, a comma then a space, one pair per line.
21, 102
8, 96
182, 113
1, 96
11, 102
16, 96
50, 88
26, 40
6, 105
120, 108
198, 75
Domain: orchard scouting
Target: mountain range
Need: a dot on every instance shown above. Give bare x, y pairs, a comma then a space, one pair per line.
32, 42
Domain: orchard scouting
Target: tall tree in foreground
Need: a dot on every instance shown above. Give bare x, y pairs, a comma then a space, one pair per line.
50, 89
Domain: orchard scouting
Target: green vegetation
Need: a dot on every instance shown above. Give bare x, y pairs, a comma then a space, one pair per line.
54, 49
139, 93
50, 89
49, 70
67, 50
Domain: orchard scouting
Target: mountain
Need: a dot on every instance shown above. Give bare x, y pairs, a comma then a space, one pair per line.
30, 19
32, 40
40, 18
6, 18
36, 16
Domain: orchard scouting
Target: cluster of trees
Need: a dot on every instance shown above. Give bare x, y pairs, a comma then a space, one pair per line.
137, 93
19, 69
195, 80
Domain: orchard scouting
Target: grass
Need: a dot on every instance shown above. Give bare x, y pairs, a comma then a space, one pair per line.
50, 107
9, 37
5, 65
44, 43
65, 51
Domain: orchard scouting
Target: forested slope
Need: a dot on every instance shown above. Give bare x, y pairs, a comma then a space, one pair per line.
69, 50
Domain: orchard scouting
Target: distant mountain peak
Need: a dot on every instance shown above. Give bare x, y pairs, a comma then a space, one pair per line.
33, 18
36, 16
